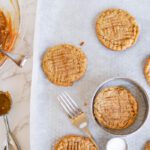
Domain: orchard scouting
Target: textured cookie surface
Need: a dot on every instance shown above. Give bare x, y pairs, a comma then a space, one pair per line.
115, 108
147, 146
117, 29
73, 142
147, 70
64, 64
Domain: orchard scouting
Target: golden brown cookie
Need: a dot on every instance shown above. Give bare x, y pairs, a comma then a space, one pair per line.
115, 108
64, 64
117, 29
147, 70
74, 142
147, 146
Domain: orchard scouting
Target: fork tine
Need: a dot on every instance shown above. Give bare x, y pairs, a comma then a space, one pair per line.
65, 101
72, 102
65, 107
76, 111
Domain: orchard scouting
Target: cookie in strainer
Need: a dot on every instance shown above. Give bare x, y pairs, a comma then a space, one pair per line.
117, 29
74, 142
64, 64
115, 108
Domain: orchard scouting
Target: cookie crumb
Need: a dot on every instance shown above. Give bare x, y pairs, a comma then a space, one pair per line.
82, 43
85, 103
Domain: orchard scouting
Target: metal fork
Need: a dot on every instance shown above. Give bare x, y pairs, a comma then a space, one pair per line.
75, 114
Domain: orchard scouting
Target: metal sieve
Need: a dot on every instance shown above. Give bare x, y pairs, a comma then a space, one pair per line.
142, 99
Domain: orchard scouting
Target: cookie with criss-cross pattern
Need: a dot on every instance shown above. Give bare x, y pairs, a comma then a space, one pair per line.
64, 64
117, 29
74, 142
115, 108
147, 146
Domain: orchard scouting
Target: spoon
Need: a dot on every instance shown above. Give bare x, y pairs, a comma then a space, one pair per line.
5, 106
11, 142
19, 59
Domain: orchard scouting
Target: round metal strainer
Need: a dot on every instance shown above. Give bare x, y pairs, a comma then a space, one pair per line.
141, 97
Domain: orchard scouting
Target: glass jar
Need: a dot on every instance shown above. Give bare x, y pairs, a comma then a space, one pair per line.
9, 26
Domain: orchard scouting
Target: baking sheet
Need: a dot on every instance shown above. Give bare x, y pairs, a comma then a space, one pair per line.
73, 21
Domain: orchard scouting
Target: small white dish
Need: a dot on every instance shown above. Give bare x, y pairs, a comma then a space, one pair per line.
116, 143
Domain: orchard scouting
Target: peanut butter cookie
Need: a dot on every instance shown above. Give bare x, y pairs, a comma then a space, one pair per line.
74, 142
147, 70
117, 29
115, 108
64, 64
147, 146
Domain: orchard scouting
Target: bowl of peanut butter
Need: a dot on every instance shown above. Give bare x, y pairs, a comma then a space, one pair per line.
9, 26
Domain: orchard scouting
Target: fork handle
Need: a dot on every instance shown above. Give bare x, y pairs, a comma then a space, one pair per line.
88, 133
